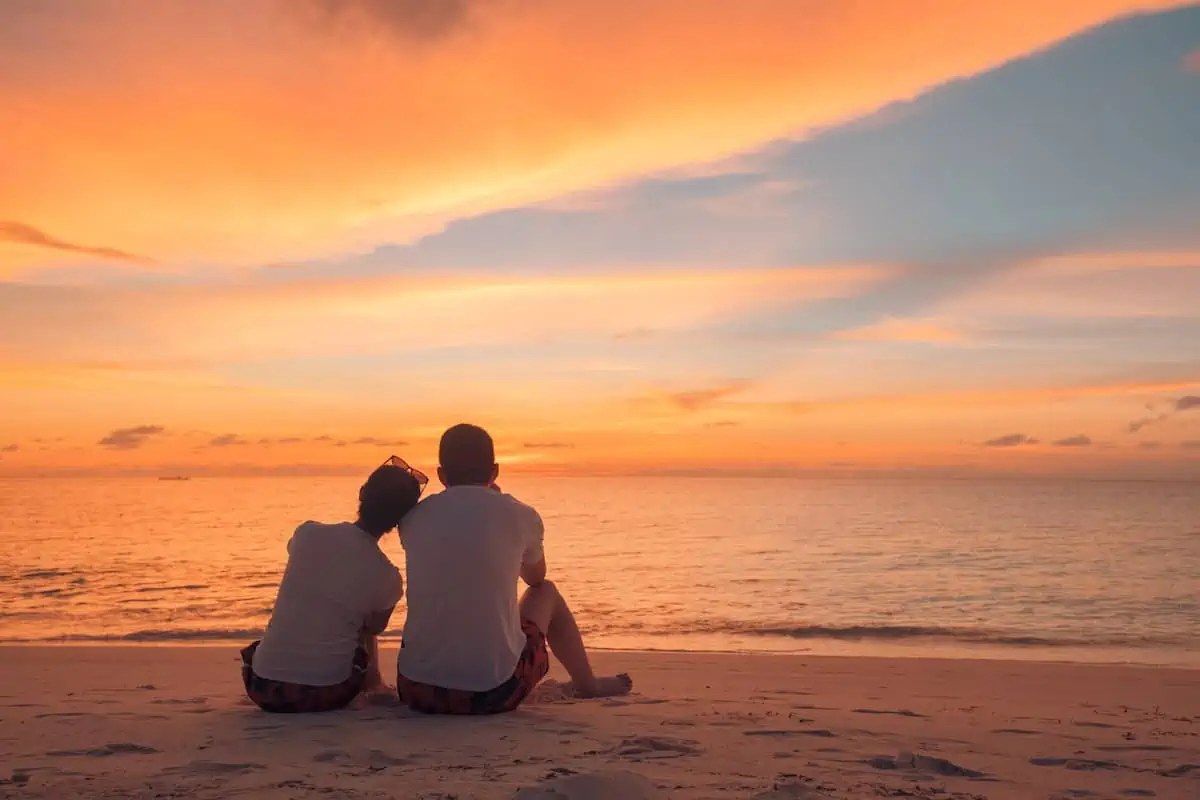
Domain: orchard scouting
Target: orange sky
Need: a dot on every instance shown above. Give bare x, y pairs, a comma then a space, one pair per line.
212, 219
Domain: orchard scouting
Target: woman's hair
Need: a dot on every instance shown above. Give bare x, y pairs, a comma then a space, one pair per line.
389, 493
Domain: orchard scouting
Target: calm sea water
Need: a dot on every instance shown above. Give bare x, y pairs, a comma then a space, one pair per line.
1074, 570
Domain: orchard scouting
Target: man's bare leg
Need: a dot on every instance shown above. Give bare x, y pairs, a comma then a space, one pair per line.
546, 608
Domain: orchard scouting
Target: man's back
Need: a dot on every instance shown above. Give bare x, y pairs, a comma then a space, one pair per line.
464, 549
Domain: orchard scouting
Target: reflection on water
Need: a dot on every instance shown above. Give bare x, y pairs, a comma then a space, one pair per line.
1044, 569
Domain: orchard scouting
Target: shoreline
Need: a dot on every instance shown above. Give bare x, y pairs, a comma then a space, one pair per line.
111, 721
913, 652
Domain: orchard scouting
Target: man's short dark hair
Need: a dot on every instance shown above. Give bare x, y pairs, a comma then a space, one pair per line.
467, 456
389, 493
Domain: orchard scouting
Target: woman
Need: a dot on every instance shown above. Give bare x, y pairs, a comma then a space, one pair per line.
320, 649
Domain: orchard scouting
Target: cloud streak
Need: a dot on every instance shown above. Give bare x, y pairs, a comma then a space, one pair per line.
1011, 440
205, 111
700, 399
228, 440
1180, 406
1074, 441
131, 438
20, 233
411, 20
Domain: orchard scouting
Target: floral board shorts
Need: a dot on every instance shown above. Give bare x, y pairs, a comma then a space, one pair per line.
281, 697
531, 668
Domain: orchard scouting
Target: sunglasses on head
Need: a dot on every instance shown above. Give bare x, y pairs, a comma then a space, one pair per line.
420, 477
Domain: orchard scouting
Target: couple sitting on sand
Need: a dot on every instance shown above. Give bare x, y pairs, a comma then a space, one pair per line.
469, 647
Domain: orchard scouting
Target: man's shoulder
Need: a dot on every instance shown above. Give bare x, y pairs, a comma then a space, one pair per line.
313, 528
470, 500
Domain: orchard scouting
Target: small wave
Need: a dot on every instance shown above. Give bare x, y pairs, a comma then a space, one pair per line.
188, 587
152, 635
918, 632
41, 574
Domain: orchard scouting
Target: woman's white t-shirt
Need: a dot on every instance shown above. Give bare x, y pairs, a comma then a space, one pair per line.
336, 577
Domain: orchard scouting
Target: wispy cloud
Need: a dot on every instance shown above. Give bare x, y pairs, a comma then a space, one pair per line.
1191, 444
1074, 441
1186, 403
1150, 445
372, 440
547, 445
1011, 440
412, 20
131, 438
20, 233
10, 448
504, 116
903, 330
699, 399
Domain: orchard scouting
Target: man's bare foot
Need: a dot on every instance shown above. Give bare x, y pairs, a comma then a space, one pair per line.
607, 686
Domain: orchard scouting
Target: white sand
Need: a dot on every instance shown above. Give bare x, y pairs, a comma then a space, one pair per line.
166, 722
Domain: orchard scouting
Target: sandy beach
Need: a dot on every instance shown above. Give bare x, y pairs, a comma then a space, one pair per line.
162, 722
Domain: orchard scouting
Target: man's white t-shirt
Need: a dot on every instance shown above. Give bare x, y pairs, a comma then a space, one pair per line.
464, 548
336, 576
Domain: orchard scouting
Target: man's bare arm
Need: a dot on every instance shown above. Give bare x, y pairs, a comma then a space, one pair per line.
535, 573
377, 621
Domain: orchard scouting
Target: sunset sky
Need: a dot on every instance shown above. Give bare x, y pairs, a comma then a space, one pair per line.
301, 235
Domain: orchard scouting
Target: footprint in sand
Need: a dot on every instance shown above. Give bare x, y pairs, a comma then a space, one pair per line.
788, 791
180, 701
1149, 748
213, 768
117, 748
818, 732
646, 747
903, 712
1076, 764
374, 759
593, 786
910, 762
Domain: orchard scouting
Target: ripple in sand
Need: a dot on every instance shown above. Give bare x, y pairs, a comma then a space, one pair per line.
643, 747
593, 786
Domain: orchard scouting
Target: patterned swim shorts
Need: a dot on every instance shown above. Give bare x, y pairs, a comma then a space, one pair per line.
281, 697
531, 668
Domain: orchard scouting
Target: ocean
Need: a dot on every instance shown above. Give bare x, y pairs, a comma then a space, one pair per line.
1024, 569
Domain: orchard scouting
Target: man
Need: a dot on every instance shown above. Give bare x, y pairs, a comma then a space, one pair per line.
469, 647
320, 648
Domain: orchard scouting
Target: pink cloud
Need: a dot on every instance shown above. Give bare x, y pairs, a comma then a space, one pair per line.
1191, 62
